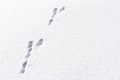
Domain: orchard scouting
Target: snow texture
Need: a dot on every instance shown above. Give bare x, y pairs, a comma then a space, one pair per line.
82, 42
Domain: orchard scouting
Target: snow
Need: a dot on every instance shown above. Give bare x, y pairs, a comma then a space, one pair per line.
82, 42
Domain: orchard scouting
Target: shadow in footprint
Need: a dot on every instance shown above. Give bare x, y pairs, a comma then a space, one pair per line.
39, 43
30, 43
62, 9
50, 21
22, 70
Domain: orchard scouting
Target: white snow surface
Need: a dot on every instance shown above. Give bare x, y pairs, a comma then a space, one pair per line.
82, 43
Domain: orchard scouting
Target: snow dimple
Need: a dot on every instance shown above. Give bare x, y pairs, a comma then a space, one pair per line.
29, 50
30, 43
39, 43
23, 67
24, 64
50, 21
62, 9
27, 55
22, 70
